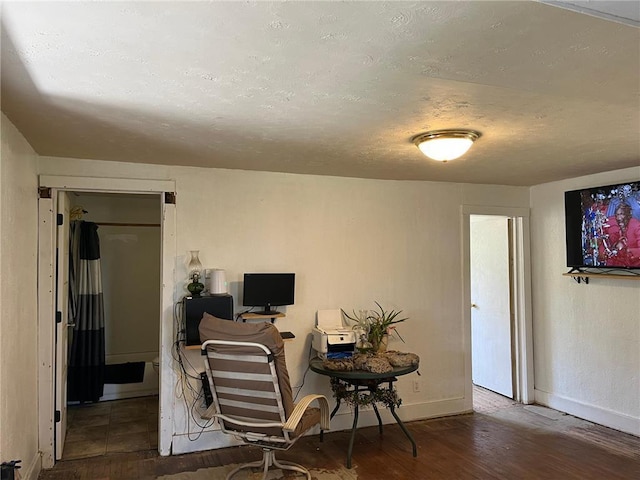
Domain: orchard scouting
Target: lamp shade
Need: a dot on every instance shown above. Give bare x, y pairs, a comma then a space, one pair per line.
195, 270
445, 145
195, 267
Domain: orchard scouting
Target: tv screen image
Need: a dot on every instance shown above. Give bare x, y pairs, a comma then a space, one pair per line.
268, 290
603, 226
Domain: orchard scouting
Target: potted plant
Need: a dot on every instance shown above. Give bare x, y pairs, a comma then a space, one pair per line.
377, 324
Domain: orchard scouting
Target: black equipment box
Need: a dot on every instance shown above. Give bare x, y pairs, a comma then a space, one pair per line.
220, 306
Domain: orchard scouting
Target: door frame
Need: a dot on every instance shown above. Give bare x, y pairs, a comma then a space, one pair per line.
62, 322
521, 294
47, 211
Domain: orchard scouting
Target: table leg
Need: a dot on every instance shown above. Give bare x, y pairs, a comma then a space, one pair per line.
375, 409
353, 434
335, 409
404, 429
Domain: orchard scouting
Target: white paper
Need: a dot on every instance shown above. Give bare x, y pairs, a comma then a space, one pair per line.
330, 319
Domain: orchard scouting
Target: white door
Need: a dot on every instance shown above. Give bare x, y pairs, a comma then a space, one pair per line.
491, 347
62, 329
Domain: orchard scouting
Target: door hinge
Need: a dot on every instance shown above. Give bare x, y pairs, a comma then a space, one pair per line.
170, 197
60, 219
57, 416
58, 317
44, 192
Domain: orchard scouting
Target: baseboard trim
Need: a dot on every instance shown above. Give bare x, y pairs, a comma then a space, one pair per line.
592, 413
31, 471
198, 442
407, 413
124, 394
343, 420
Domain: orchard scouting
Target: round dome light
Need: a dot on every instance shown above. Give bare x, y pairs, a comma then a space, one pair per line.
445, 145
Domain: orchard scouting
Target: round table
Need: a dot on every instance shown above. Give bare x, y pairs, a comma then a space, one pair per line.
354, 383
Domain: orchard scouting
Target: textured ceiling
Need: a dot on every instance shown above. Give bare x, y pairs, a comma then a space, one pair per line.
328, 88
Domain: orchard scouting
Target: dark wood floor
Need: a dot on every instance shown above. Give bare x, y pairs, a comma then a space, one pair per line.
501, 440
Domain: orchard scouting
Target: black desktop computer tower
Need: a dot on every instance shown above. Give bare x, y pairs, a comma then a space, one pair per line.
220, 306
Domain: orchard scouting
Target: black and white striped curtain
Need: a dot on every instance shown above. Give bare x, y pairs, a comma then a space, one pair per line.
86, 310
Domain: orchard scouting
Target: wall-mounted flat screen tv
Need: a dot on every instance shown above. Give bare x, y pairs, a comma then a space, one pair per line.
267, 290
603, 226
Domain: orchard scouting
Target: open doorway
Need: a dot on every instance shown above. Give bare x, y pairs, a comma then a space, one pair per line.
497, 305
492, 352
51, 410
125, 417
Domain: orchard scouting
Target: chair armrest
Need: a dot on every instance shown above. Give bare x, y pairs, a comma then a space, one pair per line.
212, 414
245, 423
301, 407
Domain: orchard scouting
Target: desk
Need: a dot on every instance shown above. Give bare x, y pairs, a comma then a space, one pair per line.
359, 387
261, 316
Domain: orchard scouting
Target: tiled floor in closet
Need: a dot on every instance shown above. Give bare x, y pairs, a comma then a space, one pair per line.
128, 425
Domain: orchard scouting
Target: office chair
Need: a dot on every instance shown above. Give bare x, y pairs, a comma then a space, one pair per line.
252, 397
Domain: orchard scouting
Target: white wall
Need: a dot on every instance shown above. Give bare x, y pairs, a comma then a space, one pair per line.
586, 337
18, 314
349, 241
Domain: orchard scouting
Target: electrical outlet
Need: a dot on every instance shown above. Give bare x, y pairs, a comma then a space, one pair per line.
416, 385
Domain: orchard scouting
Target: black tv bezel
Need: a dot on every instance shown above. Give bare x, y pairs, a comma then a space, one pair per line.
573, 215
573, 228
267, 305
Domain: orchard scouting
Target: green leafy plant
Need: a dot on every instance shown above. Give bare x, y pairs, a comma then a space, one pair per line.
376, 323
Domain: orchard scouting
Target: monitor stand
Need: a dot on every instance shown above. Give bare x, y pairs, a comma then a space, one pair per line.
267, 310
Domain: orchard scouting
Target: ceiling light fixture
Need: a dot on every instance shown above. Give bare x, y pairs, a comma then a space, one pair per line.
445, 145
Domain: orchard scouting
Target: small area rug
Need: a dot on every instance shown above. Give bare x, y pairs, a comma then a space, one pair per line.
130, 372
219, 473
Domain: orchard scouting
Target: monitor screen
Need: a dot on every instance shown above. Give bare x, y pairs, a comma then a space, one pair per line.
603, 226
268, 290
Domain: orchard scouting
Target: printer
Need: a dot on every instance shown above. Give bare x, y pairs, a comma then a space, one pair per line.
331, 338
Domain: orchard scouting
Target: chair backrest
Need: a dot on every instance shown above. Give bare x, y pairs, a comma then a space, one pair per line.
245, 388
213, 328
248, 376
